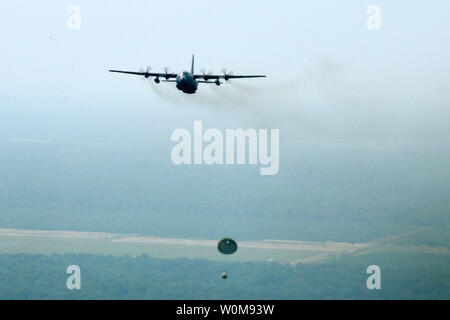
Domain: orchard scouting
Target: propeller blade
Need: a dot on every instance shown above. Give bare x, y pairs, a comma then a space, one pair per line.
166, 70
205, 75
226, 74
146, 70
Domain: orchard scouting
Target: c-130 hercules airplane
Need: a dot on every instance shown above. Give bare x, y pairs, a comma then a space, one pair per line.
188, 81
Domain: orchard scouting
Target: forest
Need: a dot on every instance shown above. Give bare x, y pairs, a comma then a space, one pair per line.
403, 276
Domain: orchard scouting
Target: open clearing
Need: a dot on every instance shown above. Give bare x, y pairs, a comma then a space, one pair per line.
283, 251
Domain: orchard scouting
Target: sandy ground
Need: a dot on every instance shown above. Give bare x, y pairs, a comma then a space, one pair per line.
319, 251
116, 237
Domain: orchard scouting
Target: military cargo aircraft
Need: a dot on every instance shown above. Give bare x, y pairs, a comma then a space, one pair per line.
188, 81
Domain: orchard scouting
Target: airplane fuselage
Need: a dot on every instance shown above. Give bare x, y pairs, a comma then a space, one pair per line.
186, 82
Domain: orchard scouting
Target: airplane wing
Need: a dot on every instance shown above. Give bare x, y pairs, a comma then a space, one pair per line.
225, 76
148, 74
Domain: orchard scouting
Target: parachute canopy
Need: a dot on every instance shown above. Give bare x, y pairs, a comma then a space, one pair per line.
227, 246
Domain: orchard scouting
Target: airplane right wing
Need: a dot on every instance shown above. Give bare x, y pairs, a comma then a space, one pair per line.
148, 74
225, 76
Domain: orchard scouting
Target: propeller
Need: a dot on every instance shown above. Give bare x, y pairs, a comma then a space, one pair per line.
166, 70
146, 71
227, 74
205, 75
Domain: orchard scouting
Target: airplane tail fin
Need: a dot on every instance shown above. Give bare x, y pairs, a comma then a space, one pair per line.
192, 65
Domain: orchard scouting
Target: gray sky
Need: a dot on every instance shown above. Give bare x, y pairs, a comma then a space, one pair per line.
329, 76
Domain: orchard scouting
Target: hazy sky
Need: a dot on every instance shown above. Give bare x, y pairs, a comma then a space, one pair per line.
363, 114
329, 76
